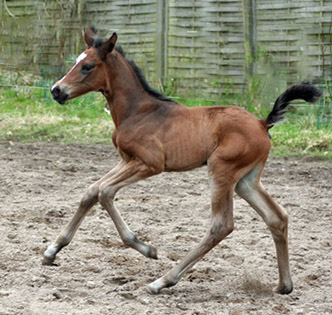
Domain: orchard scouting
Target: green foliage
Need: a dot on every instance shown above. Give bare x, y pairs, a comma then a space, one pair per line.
171, 86
323, 110
299, 136
25, 115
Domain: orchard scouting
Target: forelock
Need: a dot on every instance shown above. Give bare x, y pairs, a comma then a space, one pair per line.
98, 42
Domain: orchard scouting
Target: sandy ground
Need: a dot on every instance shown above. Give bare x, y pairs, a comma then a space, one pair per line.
41, 185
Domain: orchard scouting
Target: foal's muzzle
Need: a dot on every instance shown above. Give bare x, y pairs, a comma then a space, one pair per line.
59, 95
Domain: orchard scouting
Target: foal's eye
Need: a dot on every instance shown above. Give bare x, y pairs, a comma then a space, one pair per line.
87, 67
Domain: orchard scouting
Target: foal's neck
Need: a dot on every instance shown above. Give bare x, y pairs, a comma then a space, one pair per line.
126, 91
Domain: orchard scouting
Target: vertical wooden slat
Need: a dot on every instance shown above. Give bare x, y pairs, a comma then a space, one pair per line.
161, 49
0, 11
250, 39
80, 15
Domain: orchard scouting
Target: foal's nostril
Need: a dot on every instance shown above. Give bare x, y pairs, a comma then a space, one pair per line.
59, 94
56, 91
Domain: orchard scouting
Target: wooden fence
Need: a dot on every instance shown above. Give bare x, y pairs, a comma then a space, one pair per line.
197, 47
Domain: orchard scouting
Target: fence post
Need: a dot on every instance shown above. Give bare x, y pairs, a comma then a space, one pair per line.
161, 42
80, 16
0, 10
249, 30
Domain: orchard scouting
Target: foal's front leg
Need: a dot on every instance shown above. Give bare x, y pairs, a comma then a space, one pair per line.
88, 201
130, 173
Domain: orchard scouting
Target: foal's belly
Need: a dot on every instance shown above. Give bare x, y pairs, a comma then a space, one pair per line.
185, 155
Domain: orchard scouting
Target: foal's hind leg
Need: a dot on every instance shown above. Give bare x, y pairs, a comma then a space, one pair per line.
221, 225
88, 201
130, 173
276, 218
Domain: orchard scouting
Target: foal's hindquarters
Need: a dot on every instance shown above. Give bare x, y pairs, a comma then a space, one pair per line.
236, 163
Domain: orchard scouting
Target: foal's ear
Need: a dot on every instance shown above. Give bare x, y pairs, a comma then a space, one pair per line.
108, 46
89, 36
113, 39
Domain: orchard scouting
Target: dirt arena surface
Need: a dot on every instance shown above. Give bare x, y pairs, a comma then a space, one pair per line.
41, 186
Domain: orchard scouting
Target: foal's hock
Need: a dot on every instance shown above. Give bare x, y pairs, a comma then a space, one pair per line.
154, 134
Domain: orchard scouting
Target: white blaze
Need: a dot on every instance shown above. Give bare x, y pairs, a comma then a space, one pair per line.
82, 56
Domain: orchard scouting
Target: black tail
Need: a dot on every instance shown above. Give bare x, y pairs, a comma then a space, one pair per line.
304, 91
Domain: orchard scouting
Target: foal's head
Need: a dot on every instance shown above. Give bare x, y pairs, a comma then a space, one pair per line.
89, 73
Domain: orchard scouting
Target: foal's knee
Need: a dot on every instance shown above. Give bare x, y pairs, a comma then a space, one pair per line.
90, 197
220, 230
106, 194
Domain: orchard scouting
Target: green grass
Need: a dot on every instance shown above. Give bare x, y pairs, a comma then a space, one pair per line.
295, 138
29, 115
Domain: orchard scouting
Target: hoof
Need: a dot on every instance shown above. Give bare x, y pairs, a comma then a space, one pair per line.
155, 286
152, 289
152, 253
48, 260
282, 289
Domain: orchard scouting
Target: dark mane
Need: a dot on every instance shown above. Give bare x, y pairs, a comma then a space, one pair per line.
138, 71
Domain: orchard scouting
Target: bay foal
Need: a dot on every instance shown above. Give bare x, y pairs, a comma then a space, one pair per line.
154, 134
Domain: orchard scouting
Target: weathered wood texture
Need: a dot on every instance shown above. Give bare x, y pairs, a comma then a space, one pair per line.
205, 44
136, 24
208, 46
41, 36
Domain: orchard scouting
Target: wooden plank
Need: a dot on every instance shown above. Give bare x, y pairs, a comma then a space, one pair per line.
162, 35
262, 5
225, 9
250, 39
